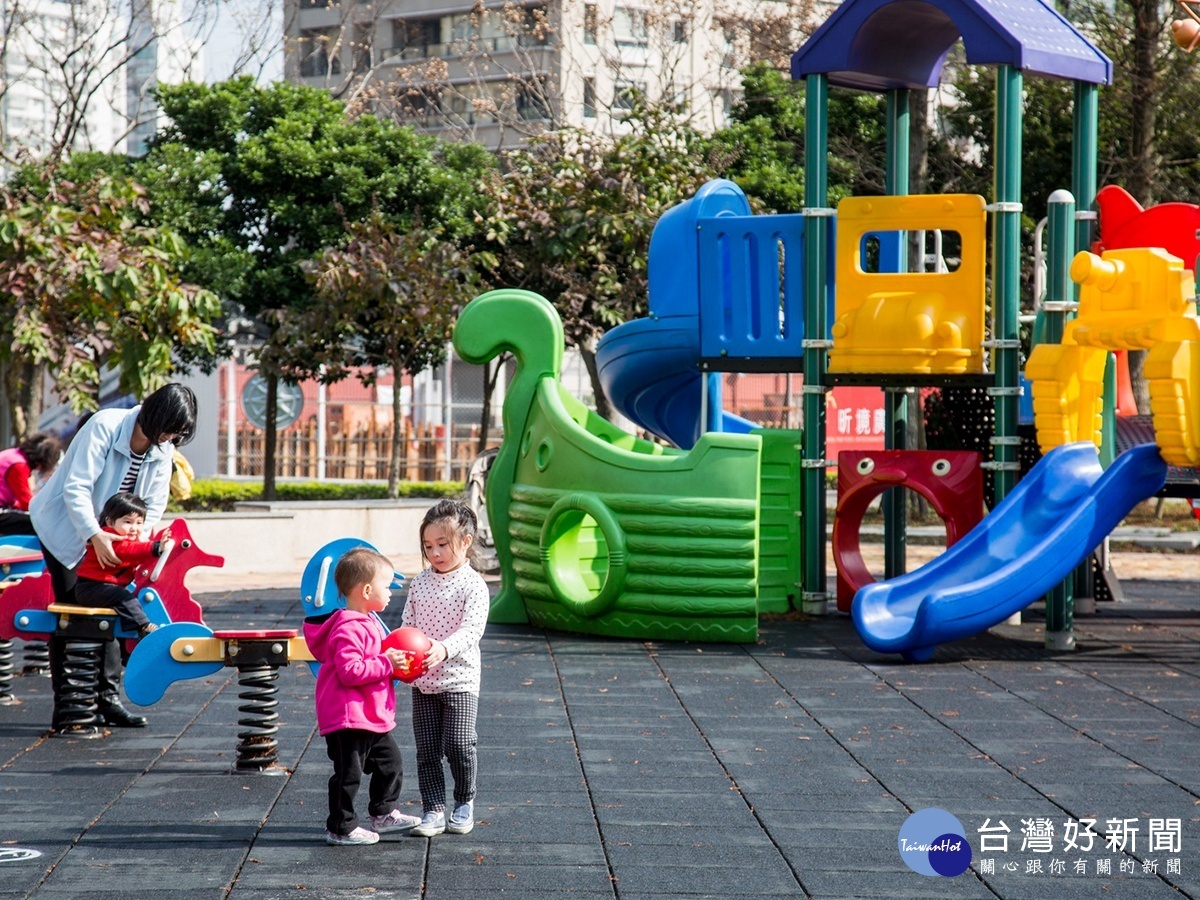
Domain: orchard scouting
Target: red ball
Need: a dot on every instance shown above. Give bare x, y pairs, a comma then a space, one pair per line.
415, 645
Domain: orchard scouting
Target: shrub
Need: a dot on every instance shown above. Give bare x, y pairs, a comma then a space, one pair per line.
219, 495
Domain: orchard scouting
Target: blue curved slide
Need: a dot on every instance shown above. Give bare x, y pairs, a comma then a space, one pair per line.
1031, 541
649, 370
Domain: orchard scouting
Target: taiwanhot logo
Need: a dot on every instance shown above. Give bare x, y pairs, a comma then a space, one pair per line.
933, 842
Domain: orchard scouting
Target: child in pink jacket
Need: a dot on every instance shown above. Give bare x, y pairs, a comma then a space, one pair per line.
356, 702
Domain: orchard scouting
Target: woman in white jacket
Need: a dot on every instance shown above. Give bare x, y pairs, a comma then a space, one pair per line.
115, 450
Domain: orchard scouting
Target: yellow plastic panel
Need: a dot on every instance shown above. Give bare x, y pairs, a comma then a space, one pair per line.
1131, 299
909, 323
1173, 370
1068, 385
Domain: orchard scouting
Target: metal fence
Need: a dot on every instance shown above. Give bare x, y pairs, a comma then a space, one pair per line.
344, 431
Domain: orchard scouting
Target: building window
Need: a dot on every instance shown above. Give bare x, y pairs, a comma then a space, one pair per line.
531, 101
681, 36
417, 38
589, 98
423, 103
590, 23
360, 50
630, 28
318, 52
627, 94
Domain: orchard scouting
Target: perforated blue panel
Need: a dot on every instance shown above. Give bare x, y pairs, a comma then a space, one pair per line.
752, 286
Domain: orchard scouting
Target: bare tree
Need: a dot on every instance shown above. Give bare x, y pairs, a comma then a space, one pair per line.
79, 75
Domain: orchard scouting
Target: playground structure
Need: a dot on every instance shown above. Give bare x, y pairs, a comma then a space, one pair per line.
28, 611
599, 532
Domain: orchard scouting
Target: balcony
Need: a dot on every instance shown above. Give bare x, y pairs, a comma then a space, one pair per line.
458, 49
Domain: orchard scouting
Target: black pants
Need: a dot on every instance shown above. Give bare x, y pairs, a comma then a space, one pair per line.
63, 581
15, 521
355, 752
101, 593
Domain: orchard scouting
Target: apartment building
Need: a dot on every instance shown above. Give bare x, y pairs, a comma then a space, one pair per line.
76, 76
497, 70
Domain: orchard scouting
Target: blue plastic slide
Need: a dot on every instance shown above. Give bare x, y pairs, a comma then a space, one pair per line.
1032, 540
649, 370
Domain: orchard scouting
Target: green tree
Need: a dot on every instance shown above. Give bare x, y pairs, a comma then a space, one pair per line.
83, 284
762, 147
386, 298
572, 216
262, 179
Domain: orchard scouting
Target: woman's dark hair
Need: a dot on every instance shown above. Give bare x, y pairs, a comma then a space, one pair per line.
41, 450
169, 410
122, 504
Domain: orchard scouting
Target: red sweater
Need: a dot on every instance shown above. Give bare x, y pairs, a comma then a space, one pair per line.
131, 552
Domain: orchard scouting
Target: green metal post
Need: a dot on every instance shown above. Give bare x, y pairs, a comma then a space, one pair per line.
1085, 141
895, 401
1006, 282
1060, 606
812, 456
1085, 144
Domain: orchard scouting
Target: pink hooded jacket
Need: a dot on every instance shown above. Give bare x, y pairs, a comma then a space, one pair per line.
354, 683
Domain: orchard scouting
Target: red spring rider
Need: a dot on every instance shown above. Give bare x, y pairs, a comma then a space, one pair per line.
415, 645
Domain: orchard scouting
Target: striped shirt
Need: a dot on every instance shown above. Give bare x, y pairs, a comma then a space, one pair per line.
130, 478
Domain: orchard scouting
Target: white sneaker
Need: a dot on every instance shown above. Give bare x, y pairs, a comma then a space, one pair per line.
432, 823
462, 820
393, 821
357, 836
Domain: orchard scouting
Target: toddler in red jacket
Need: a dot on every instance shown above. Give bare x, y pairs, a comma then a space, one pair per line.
123, 514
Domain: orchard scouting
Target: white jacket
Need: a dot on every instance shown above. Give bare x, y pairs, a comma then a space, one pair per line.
64, 511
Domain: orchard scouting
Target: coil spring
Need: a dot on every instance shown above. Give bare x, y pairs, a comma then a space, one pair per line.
37, 658
75, 706
6, 673
257, 746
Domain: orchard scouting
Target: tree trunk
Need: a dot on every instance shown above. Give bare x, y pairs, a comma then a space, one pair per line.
21, 383
270, 437
588, 355
1147, 32
491, 377
1148, 25
1138, 383
393, 488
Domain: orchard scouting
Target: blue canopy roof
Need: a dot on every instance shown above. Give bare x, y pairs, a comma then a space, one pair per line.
883, 44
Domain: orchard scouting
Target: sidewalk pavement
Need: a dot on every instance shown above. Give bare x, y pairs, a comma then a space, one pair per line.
627, 770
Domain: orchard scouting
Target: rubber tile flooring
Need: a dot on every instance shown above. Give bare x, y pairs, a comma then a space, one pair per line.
623, 770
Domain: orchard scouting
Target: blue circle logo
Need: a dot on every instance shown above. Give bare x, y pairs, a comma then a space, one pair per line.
932, 842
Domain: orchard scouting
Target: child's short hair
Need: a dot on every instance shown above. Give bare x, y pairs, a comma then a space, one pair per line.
457, 518
358, 566
122, 504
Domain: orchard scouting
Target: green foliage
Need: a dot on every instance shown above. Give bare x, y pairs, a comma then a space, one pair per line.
262, 178
762, 147
387, 297
217, 495
572, 216
83, 283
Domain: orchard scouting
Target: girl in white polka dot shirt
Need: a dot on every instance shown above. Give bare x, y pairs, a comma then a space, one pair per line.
449, 602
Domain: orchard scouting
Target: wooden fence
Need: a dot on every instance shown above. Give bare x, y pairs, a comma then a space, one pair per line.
362, 455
